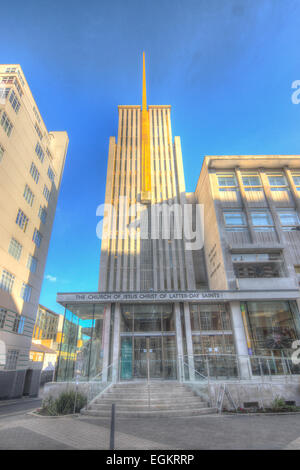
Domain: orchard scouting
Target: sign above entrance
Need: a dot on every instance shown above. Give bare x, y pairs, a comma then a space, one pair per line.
175, 296
138, 296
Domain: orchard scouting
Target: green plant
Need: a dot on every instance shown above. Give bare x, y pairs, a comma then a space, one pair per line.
49, 406
66, 403
278, 402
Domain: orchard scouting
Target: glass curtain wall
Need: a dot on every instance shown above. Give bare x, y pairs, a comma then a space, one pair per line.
213, 342
81, 348
148, 342
274, 325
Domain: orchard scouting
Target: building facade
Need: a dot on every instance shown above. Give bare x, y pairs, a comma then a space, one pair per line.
31, 165
46, 337
191, 284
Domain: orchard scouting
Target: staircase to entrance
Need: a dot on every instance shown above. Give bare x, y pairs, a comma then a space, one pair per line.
142, 399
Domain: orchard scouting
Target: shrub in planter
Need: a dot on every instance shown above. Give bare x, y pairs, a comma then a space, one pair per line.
278, 402
49, 406
64, 403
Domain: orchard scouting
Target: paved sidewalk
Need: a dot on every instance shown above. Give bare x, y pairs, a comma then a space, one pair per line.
204, 432
67, 433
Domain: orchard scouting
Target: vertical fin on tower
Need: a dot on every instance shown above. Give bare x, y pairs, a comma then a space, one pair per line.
145, 147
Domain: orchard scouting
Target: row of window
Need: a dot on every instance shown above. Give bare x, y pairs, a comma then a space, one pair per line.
29, 197
36, 176
22, 221
6, 124
11, 80
15, 249
7, 282
251, 180
41, 155
289, 219
18, 322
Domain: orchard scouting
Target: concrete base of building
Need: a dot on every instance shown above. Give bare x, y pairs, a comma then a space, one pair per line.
248, 393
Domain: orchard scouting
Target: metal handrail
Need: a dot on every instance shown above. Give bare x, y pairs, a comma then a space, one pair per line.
194, 370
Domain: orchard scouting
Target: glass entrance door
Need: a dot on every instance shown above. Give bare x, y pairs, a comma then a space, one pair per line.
148, 357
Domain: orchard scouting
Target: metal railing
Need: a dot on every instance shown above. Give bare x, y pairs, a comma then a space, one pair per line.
226, 367
100, 382
164, 369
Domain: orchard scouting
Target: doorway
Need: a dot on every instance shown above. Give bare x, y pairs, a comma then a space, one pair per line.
148, 357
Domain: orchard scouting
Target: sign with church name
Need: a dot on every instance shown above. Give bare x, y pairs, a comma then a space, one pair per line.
139, 296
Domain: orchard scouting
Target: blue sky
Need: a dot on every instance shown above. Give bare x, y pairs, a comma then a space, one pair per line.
225, 66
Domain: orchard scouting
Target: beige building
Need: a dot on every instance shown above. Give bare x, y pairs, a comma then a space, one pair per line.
207, 290
31, 165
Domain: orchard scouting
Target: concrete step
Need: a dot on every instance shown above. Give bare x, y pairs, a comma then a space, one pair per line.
145, 407
136, 393
152, 413
141, 401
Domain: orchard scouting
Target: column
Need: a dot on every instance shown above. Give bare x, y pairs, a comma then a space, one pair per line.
240, 340
179, 340
189, 340
105, 345
116, 343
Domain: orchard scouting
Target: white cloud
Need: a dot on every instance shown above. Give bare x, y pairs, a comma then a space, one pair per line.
50, 278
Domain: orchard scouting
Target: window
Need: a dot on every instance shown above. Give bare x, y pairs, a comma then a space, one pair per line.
22, 220
9, 79
34, 172
289, 219
3, 313
238, 257
15, 103
26, 292
39, 151
296, 178
19, 322
11, 359
1, 152
277, 179
15, 249
235, 220
42, 214
297, 269
36, 115
272, 326
28, 195
38, 131
17, 85
277, 182
10, 70
32, 263
4, 92
50, 174
227, 179
7, 281
49, 153
6, 124
262, 220
37, 237
46, 193
251, 182
256, 265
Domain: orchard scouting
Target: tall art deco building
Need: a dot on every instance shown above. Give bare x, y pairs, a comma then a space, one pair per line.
190, 284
